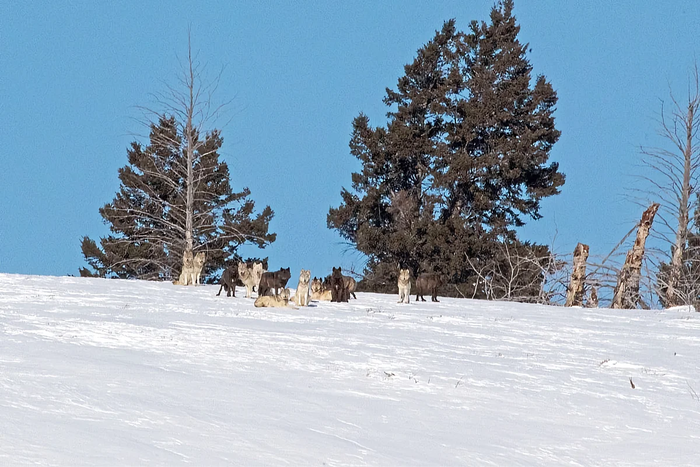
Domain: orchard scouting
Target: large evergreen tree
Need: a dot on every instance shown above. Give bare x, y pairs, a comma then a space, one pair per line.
175, 195
463, 157
148, 215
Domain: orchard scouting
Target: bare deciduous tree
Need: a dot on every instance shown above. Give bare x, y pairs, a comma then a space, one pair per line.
674, 179
521, 274
190, 102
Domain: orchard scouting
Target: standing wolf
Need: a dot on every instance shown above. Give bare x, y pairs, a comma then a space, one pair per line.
273, 280
350, 284
339, 293
245, 275
250, 274
428, 283
229, 280
404, 286
258, 271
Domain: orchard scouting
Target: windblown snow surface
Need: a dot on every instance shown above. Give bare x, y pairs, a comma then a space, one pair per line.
108, 372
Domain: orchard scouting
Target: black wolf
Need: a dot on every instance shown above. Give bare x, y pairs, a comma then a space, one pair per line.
229, 281
428, 283
273, 280
339, 292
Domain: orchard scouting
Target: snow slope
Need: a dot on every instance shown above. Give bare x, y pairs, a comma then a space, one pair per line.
106, 372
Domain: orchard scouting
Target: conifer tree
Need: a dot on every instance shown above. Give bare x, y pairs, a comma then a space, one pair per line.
463, 157
175, 194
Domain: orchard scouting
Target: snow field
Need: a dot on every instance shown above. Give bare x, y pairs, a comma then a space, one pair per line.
107, 372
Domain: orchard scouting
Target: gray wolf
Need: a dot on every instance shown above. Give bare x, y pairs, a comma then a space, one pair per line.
318, 291
404, 286
197, 267
301, 298
350, 284
245, 275
187, 268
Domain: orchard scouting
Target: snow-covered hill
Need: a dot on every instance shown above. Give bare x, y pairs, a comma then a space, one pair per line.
106, 372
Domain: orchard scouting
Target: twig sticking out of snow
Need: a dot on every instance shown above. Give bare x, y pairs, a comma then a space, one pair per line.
693, 394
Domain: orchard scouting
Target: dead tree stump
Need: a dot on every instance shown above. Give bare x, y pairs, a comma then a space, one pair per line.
574, 294
627, 290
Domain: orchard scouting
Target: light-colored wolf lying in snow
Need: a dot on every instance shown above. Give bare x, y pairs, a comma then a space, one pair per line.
272, 301
318, 292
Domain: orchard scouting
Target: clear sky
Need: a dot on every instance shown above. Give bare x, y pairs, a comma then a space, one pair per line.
72, 72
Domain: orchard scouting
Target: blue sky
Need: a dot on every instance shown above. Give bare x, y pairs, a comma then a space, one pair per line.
299, 72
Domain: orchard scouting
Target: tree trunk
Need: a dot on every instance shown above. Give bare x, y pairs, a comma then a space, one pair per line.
627, 290
189, 200
574, 294
672, 296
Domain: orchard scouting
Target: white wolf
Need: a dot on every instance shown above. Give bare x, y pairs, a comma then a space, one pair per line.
302, 296
404, 286
258, 271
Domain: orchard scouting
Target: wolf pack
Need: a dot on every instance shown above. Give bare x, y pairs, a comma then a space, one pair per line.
271, 286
